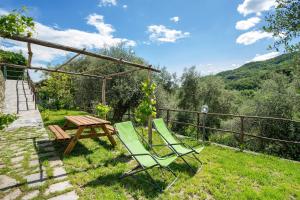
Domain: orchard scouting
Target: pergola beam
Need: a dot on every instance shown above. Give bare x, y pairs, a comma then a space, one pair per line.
68, 61
50, 70
75, 50
122, 73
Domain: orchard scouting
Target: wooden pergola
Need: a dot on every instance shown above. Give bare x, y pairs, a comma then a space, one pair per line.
78, 52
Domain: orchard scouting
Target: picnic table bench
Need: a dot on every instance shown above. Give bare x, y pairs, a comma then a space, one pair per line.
82, 123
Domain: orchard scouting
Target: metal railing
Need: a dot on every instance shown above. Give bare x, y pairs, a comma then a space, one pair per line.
15, 74
241, 134
32, 89
17, 92
24, 93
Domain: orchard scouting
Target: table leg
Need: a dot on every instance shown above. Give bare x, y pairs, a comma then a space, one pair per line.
93, 131
66, 125
74, 140
110, 137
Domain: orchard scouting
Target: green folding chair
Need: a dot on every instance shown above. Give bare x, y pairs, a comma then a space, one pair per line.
126, 133
179, 148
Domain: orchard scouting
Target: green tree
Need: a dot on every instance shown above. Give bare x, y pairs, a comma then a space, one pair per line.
278, 98
57, 92
189, 91
12, 58
167, 88
122, 92
284, 23
197, 91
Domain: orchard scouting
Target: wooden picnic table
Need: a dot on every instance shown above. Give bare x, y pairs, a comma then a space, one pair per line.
82, 123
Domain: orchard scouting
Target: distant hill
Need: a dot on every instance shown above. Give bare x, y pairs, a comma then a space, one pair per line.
250, 75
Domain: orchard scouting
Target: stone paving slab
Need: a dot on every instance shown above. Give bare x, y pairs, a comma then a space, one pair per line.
7, 182
27, 163
59, 173
36, 179
31, 195
67, 196
25, 150
58, 187
13, 194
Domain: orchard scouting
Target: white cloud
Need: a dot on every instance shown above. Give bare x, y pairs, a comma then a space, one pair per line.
125, 6
248, 23
98, 22
266, 56
210, 69
255, 6
175, 19
3, 12
107, 3
252, 37
234, 66
103, 38
160, 33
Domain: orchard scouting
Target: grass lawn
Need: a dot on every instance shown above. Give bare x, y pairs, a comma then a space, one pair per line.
94, 168
57, 116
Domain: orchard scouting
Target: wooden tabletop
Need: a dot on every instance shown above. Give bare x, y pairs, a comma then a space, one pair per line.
86, 120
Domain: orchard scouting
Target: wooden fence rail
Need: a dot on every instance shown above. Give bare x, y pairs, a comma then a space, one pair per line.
241, 133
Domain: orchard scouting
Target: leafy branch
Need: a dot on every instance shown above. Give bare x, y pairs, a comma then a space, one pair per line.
147, 107
17, 23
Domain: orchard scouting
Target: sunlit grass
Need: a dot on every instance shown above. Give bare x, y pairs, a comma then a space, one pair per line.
94, 167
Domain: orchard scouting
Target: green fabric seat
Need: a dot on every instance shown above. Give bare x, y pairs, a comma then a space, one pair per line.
129, 137
179, 148
168, 138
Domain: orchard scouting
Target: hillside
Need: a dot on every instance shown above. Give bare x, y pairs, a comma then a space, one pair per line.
250, 75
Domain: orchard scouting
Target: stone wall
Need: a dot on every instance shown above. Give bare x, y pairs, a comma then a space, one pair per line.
2, 90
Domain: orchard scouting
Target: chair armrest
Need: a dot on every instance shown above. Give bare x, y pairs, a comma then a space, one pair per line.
144, 154
141, 154
191, 148
184, 144
179, 143
157, 145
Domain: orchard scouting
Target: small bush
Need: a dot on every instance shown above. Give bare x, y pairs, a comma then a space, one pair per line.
46, 115
6, 119
102, 110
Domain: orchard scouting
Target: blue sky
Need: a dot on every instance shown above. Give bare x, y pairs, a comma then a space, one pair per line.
213, 35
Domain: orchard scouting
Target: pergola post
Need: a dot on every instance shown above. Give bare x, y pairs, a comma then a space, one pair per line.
149, 117
103, 91
29, 54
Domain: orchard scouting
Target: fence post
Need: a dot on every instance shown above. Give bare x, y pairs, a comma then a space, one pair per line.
242, 133
168, 117
204, 134
198, 124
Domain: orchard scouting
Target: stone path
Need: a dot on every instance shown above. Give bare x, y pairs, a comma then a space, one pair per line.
30, 167
27, 117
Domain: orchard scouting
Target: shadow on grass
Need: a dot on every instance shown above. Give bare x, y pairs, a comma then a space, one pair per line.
121, 158
78, 150
182, 167
139, 182
103, 143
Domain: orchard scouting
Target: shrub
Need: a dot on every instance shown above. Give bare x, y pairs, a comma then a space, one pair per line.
6, 119
102, 110
46, 115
